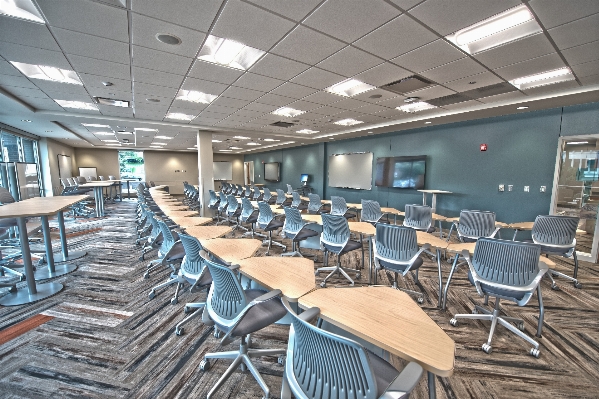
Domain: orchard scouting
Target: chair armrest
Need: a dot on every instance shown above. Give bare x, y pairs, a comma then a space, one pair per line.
404, 383
495, 232
424, 248
310, 314
264, 297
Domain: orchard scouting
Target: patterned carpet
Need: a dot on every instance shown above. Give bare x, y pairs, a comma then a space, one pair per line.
101, 337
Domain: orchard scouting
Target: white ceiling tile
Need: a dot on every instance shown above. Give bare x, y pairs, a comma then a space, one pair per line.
87, 17
514, 52
213, 72
248, 113
293, 90
242, 94
195, 14
96, 81
48, 85
552, 13
323, 97
262, 108
100, 68
346, 20
391, 39
183, 111
246, 24
293, 9
6, 68
446, 17
107, 92
92, 46
16, 81
230, 103
462, 105
306, 45
257, 82
571, 34
116, 111
383, 74
530, 67
454, 70
145, 30
586, 69
552, 88
155, 116
480, 80
160, 61
158, 78
278, 67
304, 105
349, 104
406, 4
33, 55
391, 113
204, 86
429, 56
152, 90
317, 78
275, 100
26, 33
590, 80
214, 115
195, 108
372, 109
43, 104
580, 54
349, 61
25, 92
60, 95
326, 111
376, 95
141, 105
221, 109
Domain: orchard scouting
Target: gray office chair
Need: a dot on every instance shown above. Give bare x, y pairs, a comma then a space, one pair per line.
249, 215
320, 364
267, 196
247, 192
222, 208
111, 177
339, 207
239, 313
256, 195
281, 197
396, 249
214, 201
92, 178
267, 222
171, 251
473, 225
294, 229
419, 217
505, 270
315, 205
335, 238
371, 212
289, 189
233, 211
557, 236
102, 178
296, 202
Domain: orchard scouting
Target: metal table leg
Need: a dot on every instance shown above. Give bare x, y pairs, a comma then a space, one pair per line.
370, 260
453, 267
432, 392
440, 276
33, 293
51, 271
65, 256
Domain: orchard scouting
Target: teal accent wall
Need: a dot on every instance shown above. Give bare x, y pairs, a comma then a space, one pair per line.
522, 150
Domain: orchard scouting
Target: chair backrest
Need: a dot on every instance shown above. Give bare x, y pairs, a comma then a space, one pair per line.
5, 196
338, 205
73, 182
371, 211
167, 238
248, 191
335, 232
506, 262
296, 200
475, 224
289, 189
102, 178
267, 195
327, 365
111, 177
232, 204
152, 184
155, 226
280, 196
555, 230
265, 215
395, 243
192, 263
293, 221
223, 202
226, 298
419, 217
257, 193
81, 180
314, 205
239, 190
92, 178
246, 209
213, 198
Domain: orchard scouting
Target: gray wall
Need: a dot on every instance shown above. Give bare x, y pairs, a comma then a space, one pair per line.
522, 151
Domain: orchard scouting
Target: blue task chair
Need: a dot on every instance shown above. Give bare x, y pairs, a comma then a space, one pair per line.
249, 215
281, 197
233, 211
170, 252
296, 202
222, 209
505, 270
256, 195
371, 212
315, 205
335, 238
295, 229
214, 200
320, 364
339, 207
473, 225
267, 196
396, 249
419, 217
557, 236
239, 313
267, 222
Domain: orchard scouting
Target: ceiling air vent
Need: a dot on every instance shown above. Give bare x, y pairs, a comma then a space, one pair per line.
450, 99
282, 124
491, 90
112, 102
406, 85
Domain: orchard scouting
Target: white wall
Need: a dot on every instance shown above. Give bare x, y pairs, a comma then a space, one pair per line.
49, 151
106, 161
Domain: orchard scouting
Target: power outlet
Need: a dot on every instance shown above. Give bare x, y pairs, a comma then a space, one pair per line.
543, 189
501, 188
526, 189
510, 187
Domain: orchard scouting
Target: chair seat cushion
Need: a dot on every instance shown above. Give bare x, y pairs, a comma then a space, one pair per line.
273, 225
400, 268
176, 253
260, 315
11, 222
384, 372
304, 234
505, 293
350, 246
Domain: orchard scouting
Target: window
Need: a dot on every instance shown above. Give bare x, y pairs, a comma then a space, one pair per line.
131, 165
10, 148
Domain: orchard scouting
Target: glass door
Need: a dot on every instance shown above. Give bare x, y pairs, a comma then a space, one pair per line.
577, 190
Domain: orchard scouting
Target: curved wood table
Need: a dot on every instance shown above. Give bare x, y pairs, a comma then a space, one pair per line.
231, 250
188, 221
207, 232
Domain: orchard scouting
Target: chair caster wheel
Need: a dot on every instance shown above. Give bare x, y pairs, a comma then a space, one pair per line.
317, 273
179, 331
420, 299
554, 287
216, 333
520, 326
453, 322
358, 275
13, 289
174, 301
578, 285
146, 275
186, 309
323, 284
475, 311
141, 257
205, 365
487, 348
535, 352
152, 294
281, 360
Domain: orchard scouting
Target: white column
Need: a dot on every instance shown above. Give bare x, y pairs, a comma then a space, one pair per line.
205, 172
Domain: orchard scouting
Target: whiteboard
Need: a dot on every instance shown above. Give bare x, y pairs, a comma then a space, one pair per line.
351, 171
64, 166
87, 172
222, 170
28, 180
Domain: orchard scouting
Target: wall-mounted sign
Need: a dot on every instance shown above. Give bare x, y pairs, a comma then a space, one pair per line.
483, 147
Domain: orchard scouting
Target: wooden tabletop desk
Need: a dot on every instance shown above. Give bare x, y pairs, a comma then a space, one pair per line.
98, 187
169, 213
231, 250
207, 232
396, 324
309, 218
293, 276
365, 229
520, 226
190, 221
173, 207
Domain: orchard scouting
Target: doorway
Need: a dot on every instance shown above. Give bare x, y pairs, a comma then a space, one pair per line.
576, 190
248, 172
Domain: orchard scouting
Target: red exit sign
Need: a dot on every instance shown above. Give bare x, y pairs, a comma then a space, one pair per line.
483, 147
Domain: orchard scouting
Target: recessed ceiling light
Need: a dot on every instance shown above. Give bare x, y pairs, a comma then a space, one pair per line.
522, 107
191, 148
112, 102
123, 132
349, 87
168, 39
288, 111
144, 129
225, 150
195, 96
253, 143
308, 131
217, 141
543, 79
241, 137
235, 148
104, 133
270, 140
229, 53
428, 122
107, 84
153, 100
348, 122
415, 107
578, 142
472, 83
110, 141
506, 27
163, 137
21, 9
77, 105
155, 146
43, 72
25, 120
94, 125
179, 116
159, 143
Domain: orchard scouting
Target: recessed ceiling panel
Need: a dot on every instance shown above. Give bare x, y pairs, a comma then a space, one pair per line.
473, 82
257, 82
429, 56
454, 70
293, 90
204, 86
575, 33
195, 14
145, 30
514, 52
293, 9
383, 74
557, 12
158, 78
27, 33
33, 55
92, 46
580, 54
278, 67
307, 46
100, 68
317, 78
531, 67
213, 72
160, 61
349, 61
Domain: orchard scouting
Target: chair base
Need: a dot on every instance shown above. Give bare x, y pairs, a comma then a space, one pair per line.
337, 269
419, 295
179, 330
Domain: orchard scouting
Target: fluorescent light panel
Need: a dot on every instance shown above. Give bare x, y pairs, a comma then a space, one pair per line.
241, 137
253, 143
44, 72
179, 116
288, 112
104, 133
229, 53
94, 125
349, 88
163, 137
145, 129
308, 131
77, 105
348, 122
217, 141
578, 142
110, 141
270, 140
21, 9
195, 96
415, 107
510, 25
543, 79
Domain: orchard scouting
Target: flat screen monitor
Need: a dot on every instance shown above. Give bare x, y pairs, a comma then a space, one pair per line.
401, 172
304, 178
272, 171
